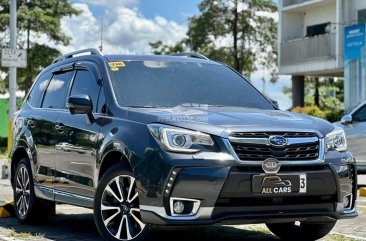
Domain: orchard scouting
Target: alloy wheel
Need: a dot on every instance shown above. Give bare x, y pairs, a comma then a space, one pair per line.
22, 191
120, 208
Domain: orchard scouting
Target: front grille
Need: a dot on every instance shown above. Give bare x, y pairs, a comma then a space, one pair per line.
260, 151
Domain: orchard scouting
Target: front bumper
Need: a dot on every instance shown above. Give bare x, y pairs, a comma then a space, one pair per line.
224, 190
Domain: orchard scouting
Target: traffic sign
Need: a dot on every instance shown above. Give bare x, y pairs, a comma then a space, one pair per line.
14, 58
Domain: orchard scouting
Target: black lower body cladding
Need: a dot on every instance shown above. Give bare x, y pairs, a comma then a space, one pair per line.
225, 194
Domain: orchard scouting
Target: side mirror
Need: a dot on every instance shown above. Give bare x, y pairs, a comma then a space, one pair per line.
81, 104
275, 103
347, 119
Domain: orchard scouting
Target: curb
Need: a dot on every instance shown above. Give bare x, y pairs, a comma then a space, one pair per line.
362, 191
7, 209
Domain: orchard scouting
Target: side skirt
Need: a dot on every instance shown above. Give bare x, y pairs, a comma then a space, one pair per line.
63, 197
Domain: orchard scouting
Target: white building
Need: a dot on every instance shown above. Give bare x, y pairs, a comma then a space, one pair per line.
311, 40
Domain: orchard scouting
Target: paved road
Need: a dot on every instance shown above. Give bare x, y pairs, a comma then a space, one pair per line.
74, 223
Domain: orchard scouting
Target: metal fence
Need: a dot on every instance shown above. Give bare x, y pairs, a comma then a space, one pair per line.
319, 47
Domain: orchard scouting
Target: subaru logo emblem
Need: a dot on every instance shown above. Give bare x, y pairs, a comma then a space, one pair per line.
271, 166
277, 141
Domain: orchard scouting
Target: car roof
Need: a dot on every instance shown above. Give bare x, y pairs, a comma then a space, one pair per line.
161, 58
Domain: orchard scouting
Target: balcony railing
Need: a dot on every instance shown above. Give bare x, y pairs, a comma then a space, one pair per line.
321, 47
293, 2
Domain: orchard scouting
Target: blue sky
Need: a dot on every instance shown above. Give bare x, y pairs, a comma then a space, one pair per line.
166, 8
152, 8
130, 25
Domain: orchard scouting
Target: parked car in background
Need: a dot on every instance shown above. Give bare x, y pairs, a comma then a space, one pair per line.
150, 141
354, 125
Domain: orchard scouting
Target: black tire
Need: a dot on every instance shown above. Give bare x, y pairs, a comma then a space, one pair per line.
123, 226
301, 232
28, 208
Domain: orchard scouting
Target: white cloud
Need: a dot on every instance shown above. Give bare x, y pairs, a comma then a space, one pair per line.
126, 31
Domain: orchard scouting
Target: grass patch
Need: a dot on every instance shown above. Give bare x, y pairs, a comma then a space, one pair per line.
14, 234
25, 235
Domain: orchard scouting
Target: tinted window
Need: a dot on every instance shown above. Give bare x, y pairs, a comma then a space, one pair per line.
86, 84
57, 90
362, 16
168, 84
360, 115
34, 98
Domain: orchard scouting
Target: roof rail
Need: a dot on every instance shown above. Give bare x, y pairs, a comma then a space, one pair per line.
191, 55
71, 55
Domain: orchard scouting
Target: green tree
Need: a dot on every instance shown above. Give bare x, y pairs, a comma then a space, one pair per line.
35, 18
241, 33
326, 94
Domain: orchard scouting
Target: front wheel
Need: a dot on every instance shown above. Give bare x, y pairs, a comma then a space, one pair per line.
301, 231
116, 206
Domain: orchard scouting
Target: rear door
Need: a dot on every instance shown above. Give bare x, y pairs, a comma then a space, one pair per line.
43, 120
76, 140
42, 139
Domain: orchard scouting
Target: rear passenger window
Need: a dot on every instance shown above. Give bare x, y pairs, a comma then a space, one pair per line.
56, 92
86, 84
35, 96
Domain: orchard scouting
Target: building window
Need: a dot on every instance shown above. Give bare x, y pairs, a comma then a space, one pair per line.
362, 16
318, 29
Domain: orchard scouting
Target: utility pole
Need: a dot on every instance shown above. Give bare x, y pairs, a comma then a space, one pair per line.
12, 70
101, 35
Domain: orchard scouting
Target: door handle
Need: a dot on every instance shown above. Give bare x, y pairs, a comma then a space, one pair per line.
60, 127
31, 123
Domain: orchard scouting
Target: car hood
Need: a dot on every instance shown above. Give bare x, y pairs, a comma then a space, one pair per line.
221, 120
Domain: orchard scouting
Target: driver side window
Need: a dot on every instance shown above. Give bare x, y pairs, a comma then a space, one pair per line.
86, 84
360, 115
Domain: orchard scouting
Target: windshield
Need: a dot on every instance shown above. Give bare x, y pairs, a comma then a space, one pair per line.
169, 84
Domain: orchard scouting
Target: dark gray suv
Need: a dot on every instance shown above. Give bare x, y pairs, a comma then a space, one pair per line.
152, 141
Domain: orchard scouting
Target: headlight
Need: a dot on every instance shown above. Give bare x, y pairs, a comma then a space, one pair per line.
336, 140
181, 140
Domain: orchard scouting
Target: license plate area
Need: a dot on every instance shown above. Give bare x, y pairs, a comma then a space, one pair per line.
279, 184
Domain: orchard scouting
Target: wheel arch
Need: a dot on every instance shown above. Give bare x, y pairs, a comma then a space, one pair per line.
19, 153
113, 153
110, 159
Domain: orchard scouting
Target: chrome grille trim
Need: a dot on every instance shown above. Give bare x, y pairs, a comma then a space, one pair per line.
320, 158
265, 141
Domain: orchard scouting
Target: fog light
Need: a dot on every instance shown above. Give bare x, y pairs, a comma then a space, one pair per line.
347, 201
178, 207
